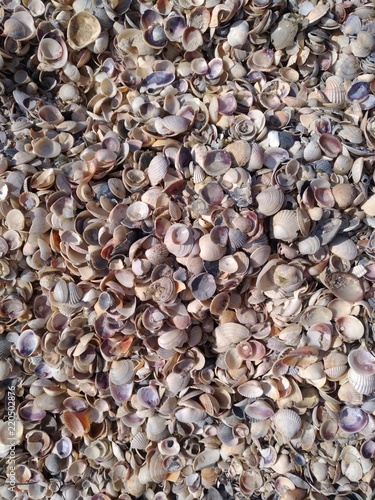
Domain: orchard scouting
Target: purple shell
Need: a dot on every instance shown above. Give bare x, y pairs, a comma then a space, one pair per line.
352, 419
158, 79
358, 91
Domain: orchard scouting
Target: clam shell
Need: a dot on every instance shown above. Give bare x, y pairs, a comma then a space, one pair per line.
203, 286
46, 148
285, 225
344, 195
121, 372
330, 144
27, 343
216, 162
206, 459
352, 420
369, 206
345, 286
83, 29
210, 251
362, 362
350, 328
287, 422
238, 32
188, 415
344, 247
240, 151
312, 151
270, 200
284, 34
251, 389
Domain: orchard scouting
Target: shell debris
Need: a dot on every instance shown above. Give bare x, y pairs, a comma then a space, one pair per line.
187, 245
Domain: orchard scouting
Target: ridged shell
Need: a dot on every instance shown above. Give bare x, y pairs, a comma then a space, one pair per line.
284, 34
139, 441
363, 385
157, 169
157, 254
309, 245
121, 372
251, 389
270, 200
362, 362
288, 422
240, 151
285, 225
228, 334
334, 90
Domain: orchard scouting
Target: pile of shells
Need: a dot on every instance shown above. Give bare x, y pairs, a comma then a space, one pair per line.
187, 249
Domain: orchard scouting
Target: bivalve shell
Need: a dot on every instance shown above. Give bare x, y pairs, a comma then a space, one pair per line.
270, 200
287, 422
285, 225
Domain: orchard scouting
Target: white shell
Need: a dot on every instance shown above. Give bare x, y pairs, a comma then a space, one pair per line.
285, 225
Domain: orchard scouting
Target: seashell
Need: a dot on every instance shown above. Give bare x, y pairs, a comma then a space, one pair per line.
345, 286
330, 144
63, 447
169, 447
273, 157
358, 91
206, 458
251, 389
216, 162
283, 36
285, 225
155, 37
148, 397
191, 39
157, 254
362, 362
238, 32
228, 334
157, 169
344, 195
83, 29
344, 248
309, 245
203, 286
368, 449
256, 157
352, 25
352, 420
27, 343
187, 415
350, 328
334, 90
287, 422
210, 251
369, 206
46, 148
212, 193
270, 200
362, 384
121, 372
157, 79
312, 152
240, 153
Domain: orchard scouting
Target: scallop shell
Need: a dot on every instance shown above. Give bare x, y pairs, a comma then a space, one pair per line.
287, 422
228, 334
270, 200
251, 389
363, 385
362, 362
285, 225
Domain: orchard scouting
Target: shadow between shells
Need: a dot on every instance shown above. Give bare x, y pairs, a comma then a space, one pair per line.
187, 248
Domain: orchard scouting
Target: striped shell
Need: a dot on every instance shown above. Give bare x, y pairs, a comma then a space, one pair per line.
157, 169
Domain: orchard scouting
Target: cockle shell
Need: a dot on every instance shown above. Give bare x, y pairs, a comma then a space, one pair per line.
344, 195
288, 422
285, 225
157, 169
334, 90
